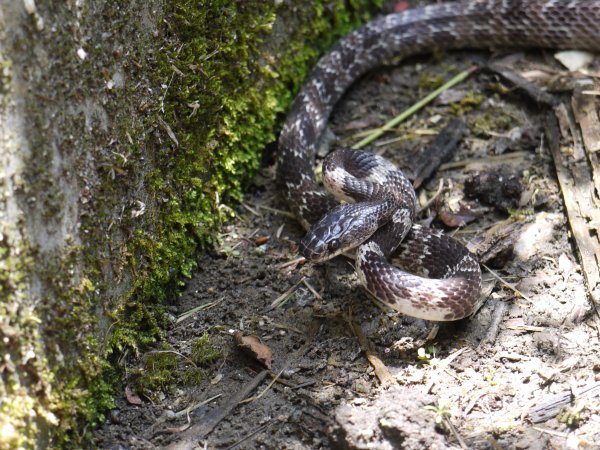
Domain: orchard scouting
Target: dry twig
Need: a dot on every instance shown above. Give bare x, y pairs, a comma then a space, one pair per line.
381, 371
191, 436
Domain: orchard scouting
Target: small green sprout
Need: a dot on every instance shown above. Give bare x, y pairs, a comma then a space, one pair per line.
427, 356
440, 410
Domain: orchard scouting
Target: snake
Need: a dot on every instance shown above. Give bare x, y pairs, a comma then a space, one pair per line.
433, 277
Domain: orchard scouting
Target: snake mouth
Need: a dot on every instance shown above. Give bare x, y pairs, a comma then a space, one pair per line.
317, 251
310, 250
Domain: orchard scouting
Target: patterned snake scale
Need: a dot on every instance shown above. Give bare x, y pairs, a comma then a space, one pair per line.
446, 282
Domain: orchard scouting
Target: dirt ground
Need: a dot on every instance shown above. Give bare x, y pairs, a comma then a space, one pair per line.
484, 383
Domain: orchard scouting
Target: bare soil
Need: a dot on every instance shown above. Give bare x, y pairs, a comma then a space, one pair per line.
473, 385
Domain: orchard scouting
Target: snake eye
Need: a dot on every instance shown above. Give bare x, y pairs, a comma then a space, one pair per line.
333, 245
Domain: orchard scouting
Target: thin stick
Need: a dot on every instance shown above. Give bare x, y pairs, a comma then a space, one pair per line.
292, 262
552, 432
195, 406
414, 108
454, 431
494, 327
283, 297
252, 210
311, 289
381, 371
507, 284
435, 196
273, 381
186, 411
497, 159
254, 433
192, 435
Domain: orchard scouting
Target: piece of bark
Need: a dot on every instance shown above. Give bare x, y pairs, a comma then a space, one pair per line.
439, 150
522, 85
498, 314
585, 109
495, 247
577, 171
189, 438
552, 405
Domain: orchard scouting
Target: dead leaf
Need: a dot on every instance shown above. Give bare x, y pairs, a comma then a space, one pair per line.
253, 346
132, 397
456, 219
261, 240
574, 59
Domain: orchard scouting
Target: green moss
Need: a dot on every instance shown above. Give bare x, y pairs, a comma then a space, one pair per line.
163, 369
225, 93
136, 326
203, 351
430, 81
467, 103
571, 417
158, 374
192, 376
495, 120
520, 214
19, 346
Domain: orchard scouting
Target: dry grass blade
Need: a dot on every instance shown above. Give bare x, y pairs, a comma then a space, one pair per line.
197, 309
191, 436
439, 191
511, 158
455, 433
275, 210
254, 433
265, 390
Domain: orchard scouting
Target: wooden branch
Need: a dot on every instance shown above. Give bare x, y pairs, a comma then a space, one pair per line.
551, 406
578, 172
196, 432
522, 85
440, 150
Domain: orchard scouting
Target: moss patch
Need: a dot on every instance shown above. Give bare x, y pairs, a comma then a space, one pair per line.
163, 369
225, 88
496, 120
203, 352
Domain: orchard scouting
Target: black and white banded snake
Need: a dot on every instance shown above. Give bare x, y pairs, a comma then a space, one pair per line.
451, 288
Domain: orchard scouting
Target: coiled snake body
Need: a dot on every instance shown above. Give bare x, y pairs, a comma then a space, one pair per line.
446, 283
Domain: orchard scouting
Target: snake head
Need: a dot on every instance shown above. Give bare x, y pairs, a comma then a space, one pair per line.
339, 231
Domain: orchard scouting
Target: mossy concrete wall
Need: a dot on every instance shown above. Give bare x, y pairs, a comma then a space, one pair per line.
126, 130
